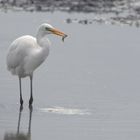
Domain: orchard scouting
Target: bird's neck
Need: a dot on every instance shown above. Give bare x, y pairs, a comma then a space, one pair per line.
42, 40
43, 46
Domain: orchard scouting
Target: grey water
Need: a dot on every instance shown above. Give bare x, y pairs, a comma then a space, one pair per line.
88, 88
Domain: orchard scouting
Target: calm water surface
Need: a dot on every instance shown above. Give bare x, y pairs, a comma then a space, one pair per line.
89, 87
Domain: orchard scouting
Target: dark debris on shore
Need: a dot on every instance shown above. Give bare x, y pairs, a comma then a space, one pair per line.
99, 6
114, 11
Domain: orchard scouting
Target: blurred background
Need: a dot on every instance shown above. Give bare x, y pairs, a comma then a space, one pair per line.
112, 11
89, 86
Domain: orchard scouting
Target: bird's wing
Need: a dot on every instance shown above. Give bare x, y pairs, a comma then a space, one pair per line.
18, 51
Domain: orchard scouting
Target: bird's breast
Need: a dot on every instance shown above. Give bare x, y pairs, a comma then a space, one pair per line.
35, 59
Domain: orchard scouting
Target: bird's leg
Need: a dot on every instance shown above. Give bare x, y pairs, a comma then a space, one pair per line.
21, 100
31, 90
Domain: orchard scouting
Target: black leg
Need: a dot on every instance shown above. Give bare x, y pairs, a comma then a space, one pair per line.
31, 90
21, 100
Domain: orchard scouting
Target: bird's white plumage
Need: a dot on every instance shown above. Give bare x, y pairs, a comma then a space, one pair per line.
26, 53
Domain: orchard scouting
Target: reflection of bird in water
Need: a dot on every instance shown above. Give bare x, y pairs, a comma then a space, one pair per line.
26, 53
20, 135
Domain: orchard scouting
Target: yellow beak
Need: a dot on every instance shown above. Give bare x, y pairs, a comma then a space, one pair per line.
57, 32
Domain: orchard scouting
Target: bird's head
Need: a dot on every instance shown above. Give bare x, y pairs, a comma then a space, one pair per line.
45, 29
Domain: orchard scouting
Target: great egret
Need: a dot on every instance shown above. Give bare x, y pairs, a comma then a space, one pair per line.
26, 53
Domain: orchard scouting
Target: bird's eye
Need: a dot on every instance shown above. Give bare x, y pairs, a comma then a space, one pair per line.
47, 28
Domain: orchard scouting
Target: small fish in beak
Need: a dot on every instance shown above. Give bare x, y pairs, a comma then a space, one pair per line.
57, 32
63, 37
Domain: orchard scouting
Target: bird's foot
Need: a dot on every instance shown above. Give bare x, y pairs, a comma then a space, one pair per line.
21, 108
21, 102
30, 101
30, 107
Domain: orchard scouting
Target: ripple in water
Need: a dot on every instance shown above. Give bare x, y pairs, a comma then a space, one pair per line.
65, 111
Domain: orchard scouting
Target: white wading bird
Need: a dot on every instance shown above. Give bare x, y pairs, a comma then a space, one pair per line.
26, 53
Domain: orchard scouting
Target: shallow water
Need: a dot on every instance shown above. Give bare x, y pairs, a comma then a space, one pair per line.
87, 89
